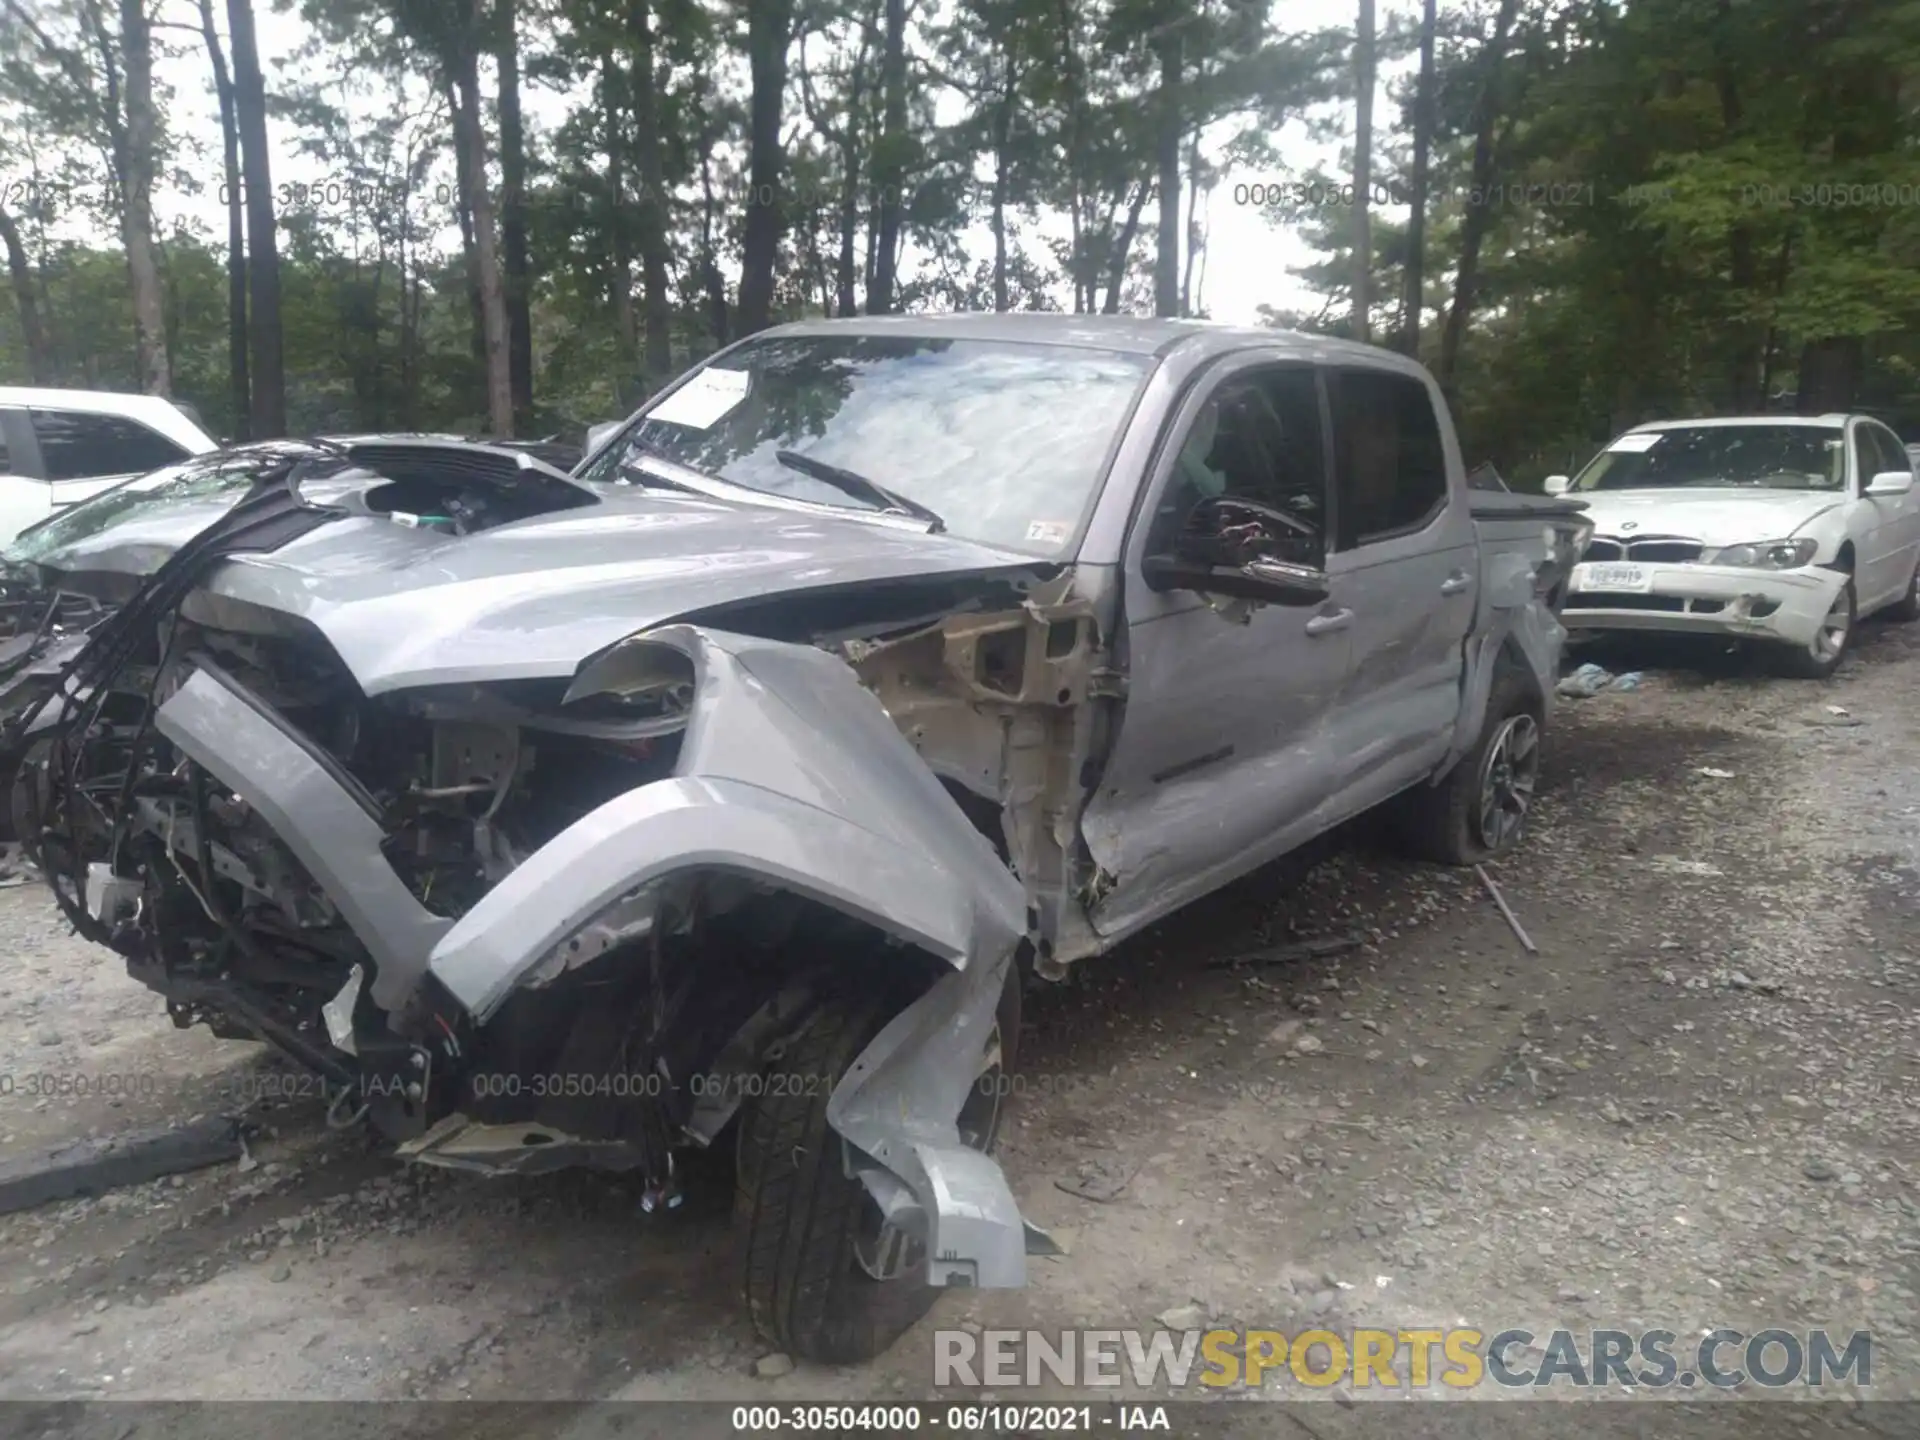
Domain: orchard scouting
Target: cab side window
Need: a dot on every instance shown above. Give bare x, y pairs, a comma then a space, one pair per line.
75, 446
1255, 440
1389, 468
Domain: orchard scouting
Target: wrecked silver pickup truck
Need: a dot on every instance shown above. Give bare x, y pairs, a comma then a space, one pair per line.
721, 792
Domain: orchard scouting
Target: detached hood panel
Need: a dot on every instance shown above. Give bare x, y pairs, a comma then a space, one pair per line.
1713, 516
406, 607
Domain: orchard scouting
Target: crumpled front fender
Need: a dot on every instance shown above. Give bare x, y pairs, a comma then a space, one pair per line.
697, 823
791, 772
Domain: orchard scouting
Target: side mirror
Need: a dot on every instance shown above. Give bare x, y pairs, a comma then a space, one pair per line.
1891, 482
598, 433
1557, 484
1242, 550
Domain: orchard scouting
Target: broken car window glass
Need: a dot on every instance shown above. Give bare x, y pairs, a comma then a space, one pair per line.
993, 436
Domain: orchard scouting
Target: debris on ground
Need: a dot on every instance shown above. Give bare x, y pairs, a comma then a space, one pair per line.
1590, 680
1100, 1180
1183, 1318
1513, 921
1323, 948
1714, 773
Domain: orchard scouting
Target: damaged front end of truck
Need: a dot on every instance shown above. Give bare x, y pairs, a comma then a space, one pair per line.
705, 886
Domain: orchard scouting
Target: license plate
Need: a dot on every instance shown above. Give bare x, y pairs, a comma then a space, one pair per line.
1636, 579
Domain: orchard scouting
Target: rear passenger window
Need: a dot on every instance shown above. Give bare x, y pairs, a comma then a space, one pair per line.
75, 446
1390, 473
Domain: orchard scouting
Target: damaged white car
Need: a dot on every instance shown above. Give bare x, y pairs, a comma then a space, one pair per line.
720, 793
1781, 529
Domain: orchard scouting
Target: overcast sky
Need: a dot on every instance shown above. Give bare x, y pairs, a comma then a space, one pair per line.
1248, 259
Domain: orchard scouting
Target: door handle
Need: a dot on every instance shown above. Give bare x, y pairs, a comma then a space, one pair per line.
1326, 624
1455, 583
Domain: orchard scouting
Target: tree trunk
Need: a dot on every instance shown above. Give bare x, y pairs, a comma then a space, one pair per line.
1085, 270
1166, 261
469, 248
769, 30
409, 287
236, 228
1473, 225
516, 278
1194, 240
1002, 135
889, 161
470, 140
1123, 249
711, 280
1413, 294
149, 319
1830, 372
1746, 361
653, 199
263, 252
1363, 59
846, 270
39, 362
1781, 269
620, 257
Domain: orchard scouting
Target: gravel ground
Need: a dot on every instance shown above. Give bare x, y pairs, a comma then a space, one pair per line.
1696, 1106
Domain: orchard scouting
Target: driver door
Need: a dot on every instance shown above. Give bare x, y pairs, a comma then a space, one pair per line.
1225, 756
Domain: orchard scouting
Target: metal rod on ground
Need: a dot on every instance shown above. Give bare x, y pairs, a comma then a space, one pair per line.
1505, 909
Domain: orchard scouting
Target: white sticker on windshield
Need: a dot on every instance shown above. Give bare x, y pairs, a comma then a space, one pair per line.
1634, 444
1048, 532
704, 399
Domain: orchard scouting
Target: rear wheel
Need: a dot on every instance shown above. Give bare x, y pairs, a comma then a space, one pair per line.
1821, 656
1481, 808
825, 1277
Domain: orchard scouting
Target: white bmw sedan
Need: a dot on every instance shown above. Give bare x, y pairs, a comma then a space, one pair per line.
1776, 528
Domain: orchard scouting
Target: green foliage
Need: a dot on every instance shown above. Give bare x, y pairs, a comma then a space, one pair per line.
1674, 197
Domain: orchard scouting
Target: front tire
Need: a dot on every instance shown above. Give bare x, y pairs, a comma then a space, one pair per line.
822, 1278
1822, 655
1480, 810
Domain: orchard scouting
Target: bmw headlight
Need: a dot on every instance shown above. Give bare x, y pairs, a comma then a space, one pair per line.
1764, 554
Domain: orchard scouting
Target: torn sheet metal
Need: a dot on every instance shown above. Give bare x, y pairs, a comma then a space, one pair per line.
792, 773
789, 772
898, 1107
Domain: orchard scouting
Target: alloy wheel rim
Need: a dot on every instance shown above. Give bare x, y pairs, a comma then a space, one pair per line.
1507, 781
